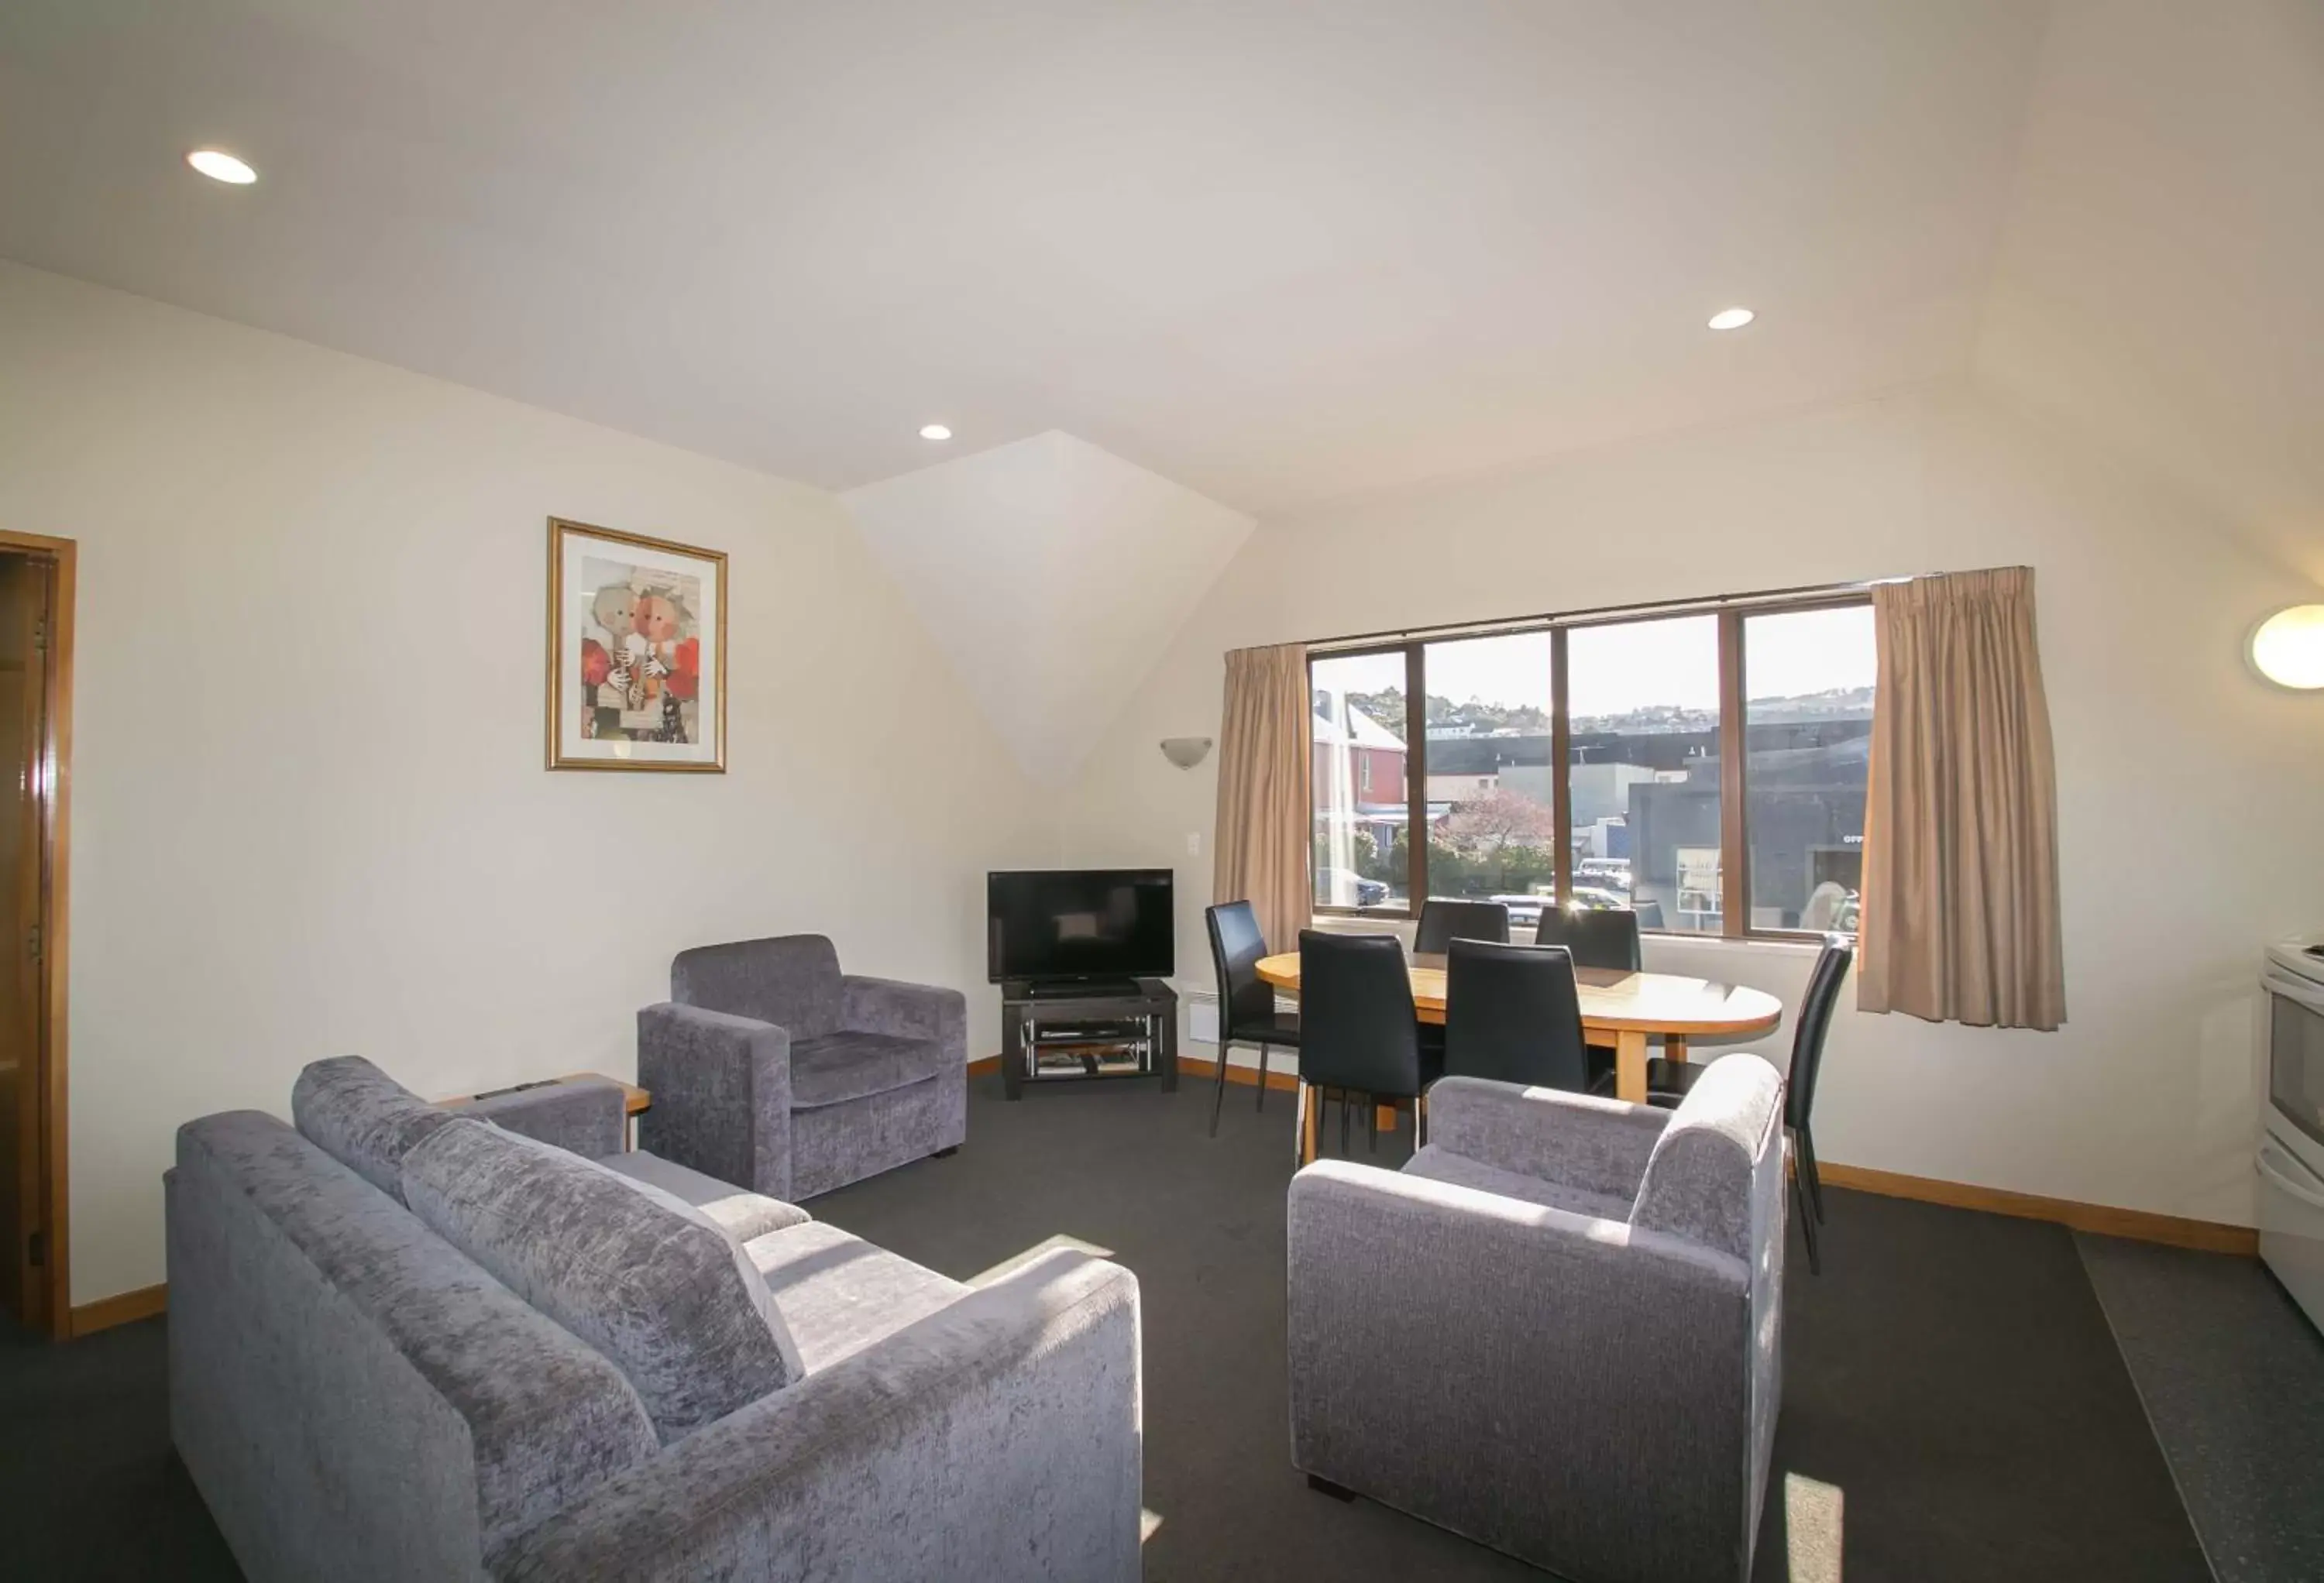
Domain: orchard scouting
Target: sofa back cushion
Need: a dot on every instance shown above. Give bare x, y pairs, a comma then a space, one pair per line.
1699, 1180
673, 1304
791, 982
362, 1118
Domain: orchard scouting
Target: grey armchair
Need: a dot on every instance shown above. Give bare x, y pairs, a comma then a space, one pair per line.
770, 1068
1558, 1330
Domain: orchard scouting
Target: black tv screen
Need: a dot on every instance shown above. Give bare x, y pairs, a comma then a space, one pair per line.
1079, 924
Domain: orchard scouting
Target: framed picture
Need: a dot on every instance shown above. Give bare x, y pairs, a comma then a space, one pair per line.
637, 652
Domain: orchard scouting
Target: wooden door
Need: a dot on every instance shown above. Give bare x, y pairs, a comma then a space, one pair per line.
25, 588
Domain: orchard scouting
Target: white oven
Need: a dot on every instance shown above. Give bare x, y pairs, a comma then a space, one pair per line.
2291, 1161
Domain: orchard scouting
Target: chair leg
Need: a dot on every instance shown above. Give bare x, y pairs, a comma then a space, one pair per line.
1807, 1224
1371, 1120
1807, 1168
1218, 1099
1262, 1078
1343, 1123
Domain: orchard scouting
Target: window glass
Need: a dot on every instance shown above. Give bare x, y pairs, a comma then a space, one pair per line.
1360, 848
1643, 771
1492, 825
1807, 719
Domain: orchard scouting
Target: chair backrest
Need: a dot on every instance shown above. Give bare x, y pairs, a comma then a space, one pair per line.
1599, 937
1512, 1014
1721, 1149
1815, 1020
1443, 922
1357, 1029
1650, 914
791, 980
1236, 946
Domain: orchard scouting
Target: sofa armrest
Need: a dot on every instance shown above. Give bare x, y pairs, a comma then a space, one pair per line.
587, 1115
998, 1437
907, 1011
1554, 1384
722, 1095
1598, 1144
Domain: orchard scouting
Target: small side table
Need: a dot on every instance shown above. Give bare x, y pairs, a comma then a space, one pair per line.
634, 1100
1139, 1020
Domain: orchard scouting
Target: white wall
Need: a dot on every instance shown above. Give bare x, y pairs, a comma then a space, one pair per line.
2188, 790
310, 815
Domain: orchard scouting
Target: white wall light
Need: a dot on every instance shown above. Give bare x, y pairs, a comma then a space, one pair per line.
2288, 648
1731, 319
220, 166
1186, 753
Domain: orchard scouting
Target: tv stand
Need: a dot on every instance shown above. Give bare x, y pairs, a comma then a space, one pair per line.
1081, 989
1087, 1031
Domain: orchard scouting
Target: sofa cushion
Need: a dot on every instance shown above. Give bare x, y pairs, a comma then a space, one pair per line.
791, 980
1439, 1164
849, 1066
362, 1118
740, 1215
680, 1309
839, 1294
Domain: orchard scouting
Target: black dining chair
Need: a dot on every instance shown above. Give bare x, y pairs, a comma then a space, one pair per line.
1358, 1034
1650, 914
1512, 1014
1442, 921
1668, 1080
1599, 937
1247, 1010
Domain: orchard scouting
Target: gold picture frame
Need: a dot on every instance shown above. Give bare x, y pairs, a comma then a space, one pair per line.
637, 652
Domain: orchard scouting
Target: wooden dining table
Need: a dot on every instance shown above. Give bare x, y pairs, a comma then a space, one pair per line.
1623, 1010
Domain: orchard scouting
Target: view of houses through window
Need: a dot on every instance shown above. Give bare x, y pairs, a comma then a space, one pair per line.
1645, 823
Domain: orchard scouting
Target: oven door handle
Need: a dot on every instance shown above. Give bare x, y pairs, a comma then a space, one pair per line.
2269, 1172
2276, 981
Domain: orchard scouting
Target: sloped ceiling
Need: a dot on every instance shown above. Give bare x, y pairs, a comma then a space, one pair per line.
1053, 573
2160, 280
1279, 252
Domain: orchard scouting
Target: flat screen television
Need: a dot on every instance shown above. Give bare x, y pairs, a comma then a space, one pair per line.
1057, 924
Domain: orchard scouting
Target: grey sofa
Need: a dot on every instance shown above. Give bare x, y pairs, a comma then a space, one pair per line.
770, 1068
1558, 1330
404, 1344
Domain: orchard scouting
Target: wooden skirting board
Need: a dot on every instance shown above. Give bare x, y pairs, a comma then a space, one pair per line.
2140, 1225
120, 1309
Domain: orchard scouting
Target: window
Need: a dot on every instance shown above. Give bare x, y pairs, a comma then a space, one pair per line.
1642, 702
1361, 853
1493, 822
1703, 766
1807, 730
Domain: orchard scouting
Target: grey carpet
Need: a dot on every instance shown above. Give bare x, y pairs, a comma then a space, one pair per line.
2232, 1374
1955, 1407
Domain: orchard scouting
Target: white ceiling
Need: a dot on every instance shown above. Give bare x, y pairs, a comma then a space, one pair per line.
1054, 574
1274, 250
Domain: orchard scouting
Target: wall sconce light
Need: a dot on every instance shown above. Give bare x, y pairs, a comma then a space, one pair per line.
2288, 648
1186, 753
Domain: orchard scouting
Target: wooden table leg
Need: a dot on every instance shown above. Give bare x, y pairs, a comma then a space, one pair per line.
1675, 1046
1311, 1102
1631, 1067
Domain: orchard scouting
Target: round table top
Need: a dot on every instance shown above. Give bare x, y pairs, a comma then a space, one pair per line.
1612, 1002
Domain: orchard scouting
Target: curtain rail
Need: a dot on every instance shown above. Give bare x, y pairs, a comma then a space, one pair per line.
1812, 594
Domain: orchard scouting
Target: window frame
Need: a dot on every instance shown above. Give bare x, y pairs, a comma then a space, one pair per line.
1734, 780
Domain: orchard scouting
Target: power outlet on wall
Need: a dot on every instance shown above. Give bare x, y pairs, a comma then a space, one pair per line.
1194, 843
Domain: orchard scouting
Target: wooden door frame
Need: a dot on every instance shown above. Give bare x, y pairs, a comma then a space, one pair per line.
50, 1215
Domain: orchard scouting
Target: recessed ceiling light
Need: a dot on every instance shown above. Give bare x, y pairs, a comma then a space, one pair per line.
934, 431
1731, 319
220, 166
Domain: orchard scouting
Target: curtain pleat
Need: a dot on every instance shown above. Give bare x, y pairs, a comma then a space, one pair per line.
1261, 841
1961, 863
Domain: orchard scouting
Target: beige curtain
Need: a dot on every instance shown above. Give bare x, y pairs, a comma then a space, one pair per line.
1263, 742
1960, 848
